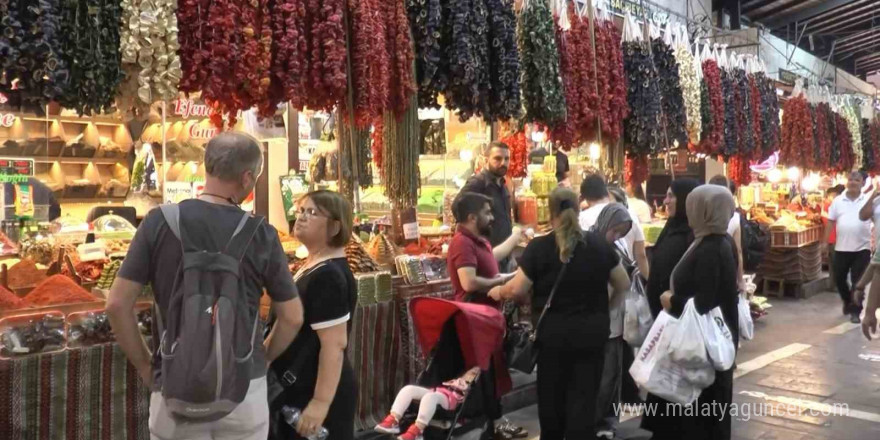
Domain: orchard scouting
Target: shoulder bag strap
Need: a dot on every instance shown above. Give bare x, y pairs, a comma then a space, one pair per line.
550, 299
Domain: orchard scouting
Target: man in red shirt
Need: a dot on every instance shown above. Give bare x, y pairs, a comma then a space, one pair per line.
471, 260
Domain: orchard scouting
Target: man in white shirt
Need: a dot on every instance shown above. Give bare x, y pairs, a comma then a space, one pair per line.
852, 251
594, 192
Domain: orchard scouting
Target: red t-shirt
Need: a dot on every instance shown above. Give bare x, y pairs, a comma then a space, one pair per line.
468, 250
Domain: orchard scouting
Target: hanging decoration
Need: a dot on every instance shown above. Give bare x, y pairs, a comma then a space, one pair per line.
542, 90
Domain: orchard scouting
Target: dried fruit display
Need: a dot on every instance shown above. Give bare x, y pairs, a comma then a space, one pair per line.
642, 134
673, 117
690, 90
542, 91
712, 109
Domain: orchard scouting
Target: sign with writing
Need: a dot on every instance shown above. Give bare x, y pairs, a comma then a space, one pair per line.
292, 188
187, 108
176, 192
199, 131
16, 166
638, 10
7, 119
411, 231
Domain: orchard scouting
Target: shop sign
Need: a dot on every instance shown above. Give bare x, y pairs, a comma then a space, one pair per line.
176, 192
197, 131
11, 167
6, 119
638, 10
187, 108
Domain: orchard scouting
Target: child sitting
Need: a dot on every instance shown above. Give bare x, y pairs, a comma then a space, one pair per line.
448, 396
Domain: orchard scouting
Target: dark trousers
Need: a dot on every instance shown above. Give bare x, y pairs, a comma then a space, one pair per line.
609, 387
568, 382
844, 264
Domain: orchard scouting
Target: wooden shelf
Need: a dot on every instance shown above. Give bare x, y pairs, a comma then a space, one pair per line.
79, 160
91, 200
85, 120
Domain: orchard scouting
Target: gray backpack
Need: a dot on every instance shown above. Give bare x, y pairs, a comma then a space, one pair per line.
211, 330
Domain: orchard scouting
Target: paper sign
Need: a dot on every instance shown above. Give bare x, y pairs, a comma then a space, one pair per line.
176, 192
411, 231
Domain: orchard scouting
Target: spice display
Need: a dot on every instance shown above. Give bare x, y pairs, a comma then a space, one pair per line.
10, 301
91, 48
542, 90
578, 80
37, 249
88, 270
382, 250
611, 79
690, 90
401, 157
358, 259
58, 289
90, 328
642, 128
105, 281
519, 154
35, 335
712, 109
25, 274
673, 117
149, 48
797, 143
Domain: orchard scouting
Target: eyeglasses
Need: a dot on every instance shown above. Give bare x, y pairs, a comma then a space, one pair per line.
309, 213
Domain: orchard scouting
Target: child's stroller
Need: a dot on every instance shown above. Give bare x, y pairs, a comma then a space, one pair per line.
457, 336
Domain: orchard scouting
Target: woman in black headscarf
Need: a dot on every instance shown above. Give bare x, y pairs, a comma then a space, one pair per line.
672, 243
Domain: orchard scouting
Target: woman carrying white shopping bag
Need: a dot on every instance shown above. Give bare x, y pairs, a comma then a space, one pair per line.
706, 273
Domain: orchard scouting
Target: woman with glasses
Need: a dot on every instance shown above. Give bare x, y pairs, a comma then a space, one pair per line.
314, 373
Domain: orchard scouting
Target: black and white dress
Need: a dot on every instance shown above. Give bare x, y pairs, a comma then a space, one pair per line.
329, 295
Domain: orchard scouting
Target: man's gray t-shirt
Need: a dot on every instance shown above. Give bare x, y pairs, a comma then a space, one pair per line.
155, 254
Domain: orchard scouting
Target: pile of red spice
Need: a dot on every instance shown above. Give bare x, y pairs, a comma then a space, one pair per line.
9, 301
58, 289
25, 274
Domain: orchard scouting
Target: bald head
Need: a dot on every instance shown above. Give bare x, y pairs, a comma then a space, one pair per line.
229, 155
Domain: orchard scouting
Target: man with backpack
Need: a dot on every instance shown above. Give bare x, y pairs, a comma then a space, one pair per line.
208, 263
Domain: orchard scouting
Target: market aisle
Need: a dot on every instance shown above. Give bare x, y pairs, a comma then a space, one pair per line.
804, 356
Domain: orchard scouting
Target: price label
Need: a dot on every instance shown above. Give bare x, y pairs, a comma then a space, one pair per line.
16, 166
176, 192
411, 231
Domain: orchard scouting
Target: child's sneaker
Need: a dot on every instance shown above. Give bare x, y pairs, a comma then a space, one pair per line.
413, 433
388, 426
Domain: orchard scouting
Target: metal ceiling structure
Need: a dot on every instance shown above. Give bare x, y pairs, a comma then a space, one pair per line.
846, 33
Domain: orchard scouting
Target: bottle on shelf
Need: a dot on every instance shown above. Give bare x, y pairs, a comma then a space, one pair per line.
291, 416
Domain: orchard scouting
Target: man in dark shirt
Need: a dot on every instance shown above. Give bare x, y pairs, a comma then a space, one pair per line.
233, 162
491, 183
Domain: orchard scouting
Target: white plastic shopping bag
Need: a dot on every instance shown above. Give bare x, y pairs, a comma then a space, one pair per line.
637, 318
688, 347
654, 371
719, 340
746, 325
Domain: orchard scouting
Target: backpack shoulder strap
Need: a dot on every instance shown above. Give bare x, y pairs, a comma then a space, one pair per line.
243, 236
171, 212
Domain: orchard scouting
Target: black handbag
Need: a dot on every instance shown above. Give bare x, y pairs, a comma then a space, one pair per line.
522, 349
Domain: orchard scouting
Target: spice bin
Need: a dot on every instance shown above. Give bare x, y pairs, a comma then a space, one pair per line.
31, 334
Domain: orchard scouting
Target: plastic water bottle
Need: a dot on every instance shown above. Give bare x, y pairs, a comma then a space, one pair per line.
291, 416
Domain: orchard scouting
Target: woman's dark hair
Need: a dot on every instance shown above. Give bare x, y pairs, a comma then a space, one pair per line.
638, 192
593, 188
682, 188
563, 208
336, 208
468, 203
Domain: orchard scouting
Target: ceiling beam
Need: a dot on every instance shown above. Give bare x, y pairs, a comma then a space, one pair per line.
873, 56
801, 14
848, 24
769, 13
868, 66
753, 5
835, 21
833, 14
856, 39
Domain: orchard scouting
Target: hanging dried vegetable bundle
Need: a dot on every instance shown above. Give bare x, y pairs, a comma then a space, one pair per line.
731, 133
611, 78
325, 45
822, 138
399, 47
853, 124
869, 159
149, 52
427, 19
578, 79
32, 50
504, 70
690, 90
194, 36
377, 146
712, 139
91, 50
369, 63
673, 118
469, 56
636, 169
542, 91
642, 133
846, 161
519, 154
797, 142
757, 137
345, 174
770, 131
361, 147
738, 170
401, 157
743, 109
